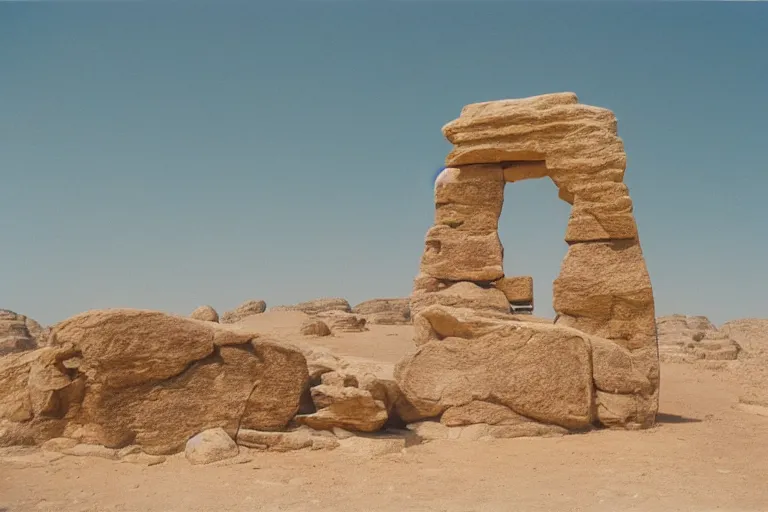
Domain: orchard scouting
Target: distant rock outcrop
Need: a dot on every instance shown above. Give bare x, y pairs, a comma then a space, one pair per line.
317, 306
17, 332
688, 338
246, 309
750, 334
385, 311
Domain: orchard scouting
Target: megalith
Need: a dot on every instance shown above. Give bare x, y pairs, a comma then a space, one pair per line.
603, 297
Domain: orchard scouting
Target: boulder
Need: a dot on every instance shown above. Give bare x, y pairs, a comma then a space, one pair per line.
244, 310
317, 306
15, 335
205, 313
339, 321
209, 446
536, 370
312, 327
385, 311
345, 407
121, 377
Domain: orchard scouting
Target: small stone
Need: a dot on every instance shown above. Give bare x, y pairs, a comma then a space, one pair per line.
59, 444
210, 446
312, 327
205, 313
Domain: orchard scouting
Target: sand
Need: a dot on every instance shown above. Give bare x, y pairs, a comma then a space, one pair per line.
706, 453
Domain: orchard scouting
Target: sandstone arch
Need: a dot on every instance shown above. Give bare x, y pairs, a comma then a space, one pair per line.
603, 289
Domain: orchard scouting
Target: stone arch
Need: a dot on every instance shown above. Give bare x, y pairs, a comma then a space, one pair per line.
603, 288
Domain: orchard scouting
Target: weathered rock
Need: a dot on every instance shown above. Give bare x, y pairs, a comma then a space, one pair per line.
91, 450
385, 311
120, 377
460, 295
58, 444
345, 407
317, 306
539, 371
205, 313
303, 437
339, 380
36, 395
321, 360
14, 333
209, 446
517, 290
690, 338
457, 255
246, 309
433, 431
480, 412
315, 328
750, 334
603, 290
372, 446
339, 321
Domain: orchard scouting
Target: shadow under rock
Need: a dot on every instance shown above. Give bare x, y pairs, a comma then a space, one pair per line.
674, 418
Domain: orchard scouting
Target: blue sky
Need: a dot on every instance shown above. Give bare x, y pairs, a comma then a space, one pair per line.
165, 156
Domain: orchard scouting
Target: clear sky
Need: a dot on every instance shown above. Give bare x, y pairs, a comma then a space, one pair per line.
165, 156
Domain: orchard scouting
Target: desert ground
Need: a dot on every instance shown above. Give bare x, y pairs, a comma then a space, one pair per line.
707, 452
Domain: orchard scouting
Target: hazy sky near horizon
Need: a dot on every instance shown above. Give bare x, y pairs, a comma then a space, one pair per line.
165, 156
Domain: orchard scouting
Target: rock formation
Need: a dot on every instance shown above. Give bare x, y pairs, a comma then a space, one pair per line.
246, 309
688, 338
385, 311
317, 306
18, 333
750, 334
598, 363
131, 377
205, 313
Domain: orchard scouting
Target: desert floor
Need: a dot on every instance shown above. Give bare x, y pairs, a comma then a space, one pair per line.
706, 453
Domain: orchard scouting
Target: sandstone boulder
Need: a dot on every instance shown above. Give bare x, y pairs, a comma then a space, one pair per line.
121, 377
315, 328
536, 370
459, 295
244, 310
345, 407
205, 313
385, 311
209, 446
303, 437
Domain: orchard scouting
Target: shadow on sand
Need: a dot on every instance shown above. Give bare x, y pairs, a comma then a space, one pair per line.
674, 418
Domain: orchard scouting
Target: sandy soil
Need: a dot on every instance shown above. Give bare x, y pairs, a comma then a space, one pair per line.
706, 453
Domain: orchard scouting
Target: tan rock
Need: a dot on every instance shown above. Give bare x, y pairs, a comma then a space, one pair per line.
458, 255
155, 380
480, 412
298, 439
385, 311
750, 334
601, 211
209, 446
372, 446
244, 310
626, 411
206, 313
539, 371
315, 328
339, 321
604, 289
517, 290
339, 380
317, 306
14, 333
91, 450
684, 338
348, 408
58, 444
461, 295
